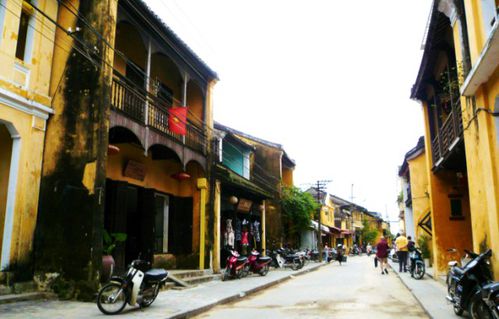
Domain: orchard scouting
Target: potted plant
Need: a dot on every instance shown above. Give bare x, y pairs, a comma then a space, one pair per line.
110, 241
423, 243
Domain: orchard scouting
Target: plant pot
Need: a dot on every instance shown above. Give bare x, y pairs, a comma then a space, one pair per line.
107, 267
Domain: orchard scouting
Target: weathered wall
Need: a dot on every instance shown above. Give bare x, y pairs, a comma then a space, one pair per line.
419, 191
482, 148
447, 233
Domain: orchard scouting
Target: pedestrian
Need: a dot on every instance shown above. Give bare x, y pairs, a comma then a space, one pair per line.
382, 254
401, 243
326, 253
339, 253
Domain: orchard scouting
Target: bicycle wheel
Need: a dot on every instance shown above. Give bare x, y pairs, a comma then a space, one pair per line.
112, 299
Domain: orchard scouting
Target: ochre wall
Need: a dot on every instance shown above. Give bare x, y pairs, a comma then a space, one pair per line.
446, 233
482, 147
158, 177
29, 126
287, 176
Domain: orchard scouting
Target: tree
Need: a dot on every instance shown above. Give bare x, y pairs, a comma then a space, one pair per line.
298, 208
368, 233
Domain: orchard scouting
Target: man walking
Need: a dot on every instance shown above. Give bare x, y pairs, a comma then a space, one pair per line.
401, 244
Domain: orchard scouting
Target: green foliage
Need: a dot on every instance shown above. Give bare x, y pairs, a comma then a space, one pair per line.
111, 240
368, 233
297, 209
423, 243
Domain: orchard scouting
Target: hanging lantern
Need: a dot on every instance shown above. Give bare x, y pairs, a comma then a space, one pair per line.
181, 176
233, 200
112, 149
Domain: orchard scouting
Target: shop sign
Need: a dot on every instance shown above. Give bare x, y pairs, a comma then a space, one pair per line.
135, 170
244, 205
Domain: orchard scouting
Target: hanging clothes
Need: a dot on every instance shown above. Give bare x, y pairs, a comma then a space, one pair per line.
238, 229
229, 234
256, 230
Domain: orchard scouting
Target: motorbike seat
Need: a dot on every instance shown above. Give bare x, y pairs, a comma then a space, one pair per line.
155, 274
264, 258
241, 259
458, 271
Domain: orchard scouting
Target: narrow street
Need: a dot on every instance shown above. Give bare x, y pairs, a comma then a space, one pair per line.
354, 290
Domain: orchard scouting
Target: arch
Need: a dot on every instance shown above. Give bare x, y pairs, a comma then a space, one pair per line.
163, 152
130, 42
11, 189
169, 77
195, 166
123, 135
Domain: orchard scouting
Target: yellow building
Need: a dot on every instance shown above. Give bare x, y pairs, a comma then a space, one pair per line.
26, 49
414, 172
115, 157
458, 87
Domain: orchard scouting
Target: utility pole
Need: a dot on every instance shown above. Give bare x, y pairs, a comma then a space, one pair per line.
320, 186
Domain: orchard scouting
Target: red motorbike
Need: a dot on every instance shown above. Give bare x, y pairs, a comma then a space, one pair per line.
257, 264
235, 266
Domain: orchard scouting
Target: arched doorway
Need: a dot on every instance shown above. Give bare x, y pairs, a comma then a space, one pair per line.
9, 165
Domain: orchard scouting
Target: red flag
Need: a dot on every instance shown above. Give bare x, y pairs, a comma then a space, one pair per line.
177, 120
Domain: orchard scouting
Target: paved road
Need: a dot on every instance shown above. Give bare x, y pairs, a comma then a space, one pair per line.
354, 290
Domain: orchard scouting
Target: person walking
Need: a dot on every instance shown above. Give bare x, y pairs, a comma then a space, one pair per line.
411, 247
382, 254
339, 253
401, 243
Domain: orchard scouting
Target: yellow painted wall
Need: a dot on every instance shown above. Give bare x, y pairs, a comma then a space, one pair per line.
158, 177
32, 84
446, 233
419, 191
287, 176
482, 146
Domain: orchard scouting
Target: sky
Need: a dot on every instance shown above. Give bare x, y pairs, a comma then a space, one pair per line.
329, 80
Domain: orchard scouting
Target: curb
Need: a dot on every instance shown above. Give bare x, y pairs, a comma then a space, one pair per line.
11, 298
413, 294
197, 311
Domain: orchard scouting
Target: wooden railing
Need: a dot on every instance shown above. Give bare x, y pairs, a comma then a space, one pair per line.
152, 112
451, 129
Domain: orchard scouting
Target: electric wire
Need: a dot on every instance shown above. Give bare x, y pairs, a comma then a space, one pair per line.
87, 56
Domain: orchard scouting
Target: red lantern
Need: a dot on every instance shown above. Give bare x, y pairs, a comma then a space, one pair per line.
181, 176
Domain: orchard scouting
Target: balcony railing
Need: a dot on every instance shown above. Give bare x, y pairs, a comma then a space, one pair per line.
152, 112
451, 129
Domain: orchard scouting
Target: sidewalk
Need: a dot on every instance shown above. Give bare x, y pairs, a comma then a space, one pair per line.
169, 304
429, 292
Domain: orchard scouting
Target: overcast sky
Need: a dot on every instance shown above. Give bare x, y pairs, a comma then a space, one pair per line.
329, 80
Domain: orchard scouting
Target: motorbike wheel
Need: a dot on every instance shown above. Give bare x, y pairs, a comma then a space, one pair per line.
295, 264
245, 271
458, 310
225, 274
147, 301
240, 273
111, 299
419, 270
264, 270
477, 309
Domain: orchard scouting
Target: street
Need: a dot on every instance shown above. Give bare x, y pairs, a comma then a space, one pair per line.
354, 290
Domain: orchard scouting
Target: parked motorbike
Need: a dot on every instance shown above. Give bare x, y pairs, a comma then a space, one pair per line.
234, 267
140, 286
464, 283
485, 303
417, 264
312, 255
257, 264
283, 258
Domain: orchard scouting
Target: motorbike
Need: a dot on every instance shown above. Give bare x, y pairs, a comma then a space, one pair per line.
417, 264
464, 283
485, 303
283, 258
234, 267
140, 286
257, 264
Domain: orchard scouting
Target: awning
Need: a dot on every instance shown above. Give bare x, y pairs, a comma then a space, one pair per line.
335, 229
315, 225
346, 232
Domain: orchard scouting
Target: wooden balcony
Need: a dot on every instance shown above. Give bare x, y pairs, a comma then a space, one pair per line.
152, 112
449, 134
